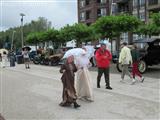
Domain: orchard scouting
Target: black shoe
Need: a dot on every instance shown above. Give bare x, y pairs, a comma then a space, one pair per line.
76, 105
108, 87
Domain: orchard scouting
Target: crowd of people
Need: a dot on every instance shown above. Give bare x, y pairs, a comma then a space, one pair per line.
6, 56
82, 88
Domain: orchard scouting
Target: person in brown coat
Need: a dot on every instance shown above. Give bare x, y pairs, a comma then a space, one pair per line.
69, 93
1, 117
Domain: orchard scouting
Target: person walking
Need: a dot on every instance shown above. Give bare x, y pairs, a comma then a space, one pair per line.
1, 117
26, 58
12, 59
103, 58
135, 57
4, 59
84, 85
125, 59
69, 93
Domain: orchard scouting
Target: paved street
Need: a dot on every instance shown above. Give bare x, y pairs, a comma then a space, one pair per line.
35, 94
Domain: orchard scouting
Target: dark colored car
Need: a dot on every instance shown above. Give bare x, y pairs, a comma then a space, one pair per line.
32, 55
149, 53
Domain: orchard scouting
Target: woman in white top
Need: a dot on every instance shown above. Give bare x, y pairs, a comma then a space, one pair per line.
4, 59
26, 58
84, 87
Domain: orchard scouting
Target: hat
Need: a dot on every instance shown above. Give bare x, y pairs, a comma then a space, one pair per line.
102, 42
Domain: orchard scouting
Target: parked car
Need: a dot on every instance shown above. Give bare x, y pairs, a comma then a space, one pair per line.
149, 53
32, 54
41, 59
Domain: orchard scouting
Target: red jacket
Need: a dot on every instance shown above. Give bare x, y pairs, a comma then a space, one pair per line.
102, 61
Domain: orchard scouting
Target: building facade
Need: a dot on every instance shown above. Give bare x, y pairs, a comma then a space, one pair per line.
90, 10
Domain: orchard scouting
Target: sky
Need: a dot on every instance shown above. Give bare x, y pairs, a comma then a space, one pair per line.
59, 12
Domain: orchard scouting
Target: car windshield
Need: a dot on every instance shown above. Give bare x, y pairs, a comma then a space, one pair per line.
142, 46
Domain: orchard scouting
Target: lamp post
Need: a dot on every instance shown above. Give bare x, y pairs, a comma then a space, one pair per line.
22, 15
12, 40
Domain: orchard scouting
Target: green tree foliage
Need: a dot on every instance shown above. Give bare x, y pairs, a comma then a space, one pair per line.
40, 25
156, 18
113, 26
81, 33
152, 28
66, 33
42, 37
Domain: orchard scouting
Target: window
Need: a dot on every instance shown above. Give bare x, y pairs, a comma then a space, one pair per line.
114, 8
98, 1
142, 16
153, 2
142, 2
134, 3
82, 16
157, 44
101, 12
124, 37
103, 1
87, 2
82, 3
88, 15
98, 12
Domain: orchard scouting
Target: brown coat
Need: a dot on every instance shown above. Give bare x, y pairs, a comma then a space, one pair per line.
69, 92
1, 117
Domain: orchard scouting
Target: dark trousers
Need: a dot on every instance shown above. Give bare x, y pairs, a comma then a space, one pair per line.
106, 76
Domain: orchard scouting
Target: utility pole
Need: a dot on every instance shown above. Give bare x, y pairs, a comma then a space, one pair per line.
22, 15
12, 40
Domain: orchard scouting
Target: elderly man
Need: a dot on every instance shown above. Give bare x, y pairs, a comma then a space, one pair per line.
103, 58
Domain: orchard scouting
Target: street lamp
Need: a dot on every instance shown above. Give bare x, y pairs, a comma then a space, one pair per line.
22, 15
12, 40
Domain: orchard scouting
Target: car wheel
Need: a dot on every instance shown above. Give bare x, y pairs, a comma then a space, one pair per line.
119, 67
36, 62
142, 66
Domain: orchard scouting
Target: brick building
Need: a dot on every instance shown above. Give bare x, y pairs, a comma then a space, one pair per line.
90, 10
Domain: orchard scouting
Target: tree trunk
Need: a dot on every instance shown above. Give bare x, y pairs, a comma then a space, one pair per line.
130, 37
118, 43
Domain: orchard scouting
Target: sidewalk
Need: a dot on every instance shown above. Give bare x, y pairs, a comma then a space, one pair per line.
149, 90
125, 101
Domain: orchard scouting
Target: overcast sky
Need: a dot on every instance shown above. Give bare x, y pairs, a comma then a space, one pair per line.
59, 12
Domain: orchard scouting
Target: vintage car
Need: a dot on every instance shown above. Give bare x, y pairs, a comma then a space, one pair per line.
149, 53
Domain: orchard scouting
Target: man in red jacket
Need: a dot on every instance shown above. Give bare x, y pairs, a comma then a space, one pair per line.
103, 58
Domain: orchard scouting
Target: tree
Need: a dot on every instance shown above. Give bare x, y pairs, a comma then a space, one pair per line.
33, 39
39, 25
113, 26
53, 35
152, 28
66, 33
81, 33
